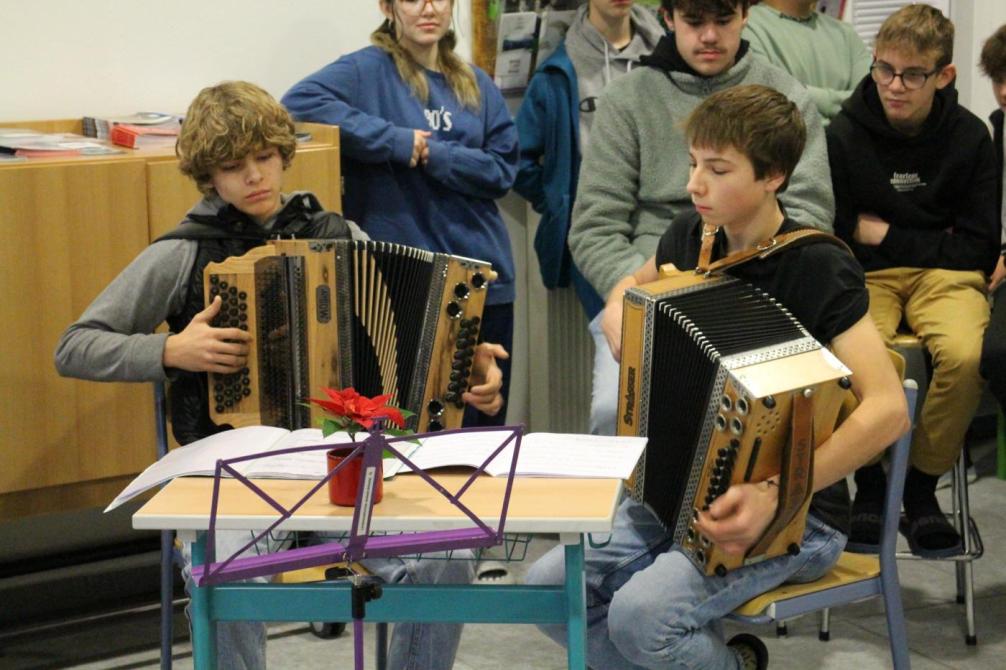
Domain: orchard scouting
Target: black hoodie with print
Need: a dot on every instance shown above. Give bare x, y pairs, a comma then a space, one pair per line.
937, 190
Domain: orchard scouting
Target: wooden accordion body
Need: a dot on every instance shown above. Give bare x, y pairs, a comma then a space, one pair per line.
376, 316
715, 374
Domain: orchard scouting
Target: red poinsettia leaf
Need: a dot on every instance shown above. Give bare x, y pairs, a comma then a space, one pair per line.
394, 416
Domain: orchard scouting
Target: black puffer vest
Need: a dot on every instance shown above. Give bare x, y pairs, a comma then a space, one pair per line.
231, 233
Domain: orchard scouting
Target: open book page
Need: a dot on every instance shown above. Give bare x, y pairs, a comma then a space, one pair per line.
200, 457
541, 454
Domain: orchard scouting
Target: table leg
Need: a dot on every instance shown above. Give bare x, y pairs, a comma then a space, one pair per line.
576, 603
204, 629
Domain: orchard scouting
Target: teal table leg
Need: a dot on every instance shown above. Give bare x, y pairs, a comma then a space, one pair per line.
204, 629
576, 626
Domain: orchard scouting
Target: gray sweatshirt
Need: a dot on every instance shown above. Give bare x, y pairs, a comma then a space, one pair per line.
114, 339
597, 62
635, 170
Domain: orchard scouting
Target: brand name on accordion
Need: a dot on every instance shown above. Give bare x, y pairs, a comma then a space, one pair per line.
630, 397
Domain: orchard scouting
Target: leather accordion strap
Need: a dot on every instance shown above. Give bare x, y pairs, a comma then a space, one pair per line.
771, 246
797, 469
706, 250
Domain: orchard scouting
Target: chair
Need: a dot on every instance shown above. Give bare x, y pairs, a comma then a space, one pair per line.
855, 576
918, 363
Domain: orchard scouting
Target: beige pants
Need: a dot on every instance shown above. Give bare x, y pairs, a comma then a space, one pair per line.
948, 311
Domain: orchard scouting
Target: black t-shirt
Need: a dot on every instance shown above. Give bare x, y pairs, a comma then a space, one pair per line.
822, 286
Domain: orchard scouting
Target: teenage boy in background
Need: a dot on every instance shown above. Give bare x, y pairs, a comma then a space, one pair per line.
993, 63
915, 187
235, 144
824, 54
648, 606
634, 173
604, 41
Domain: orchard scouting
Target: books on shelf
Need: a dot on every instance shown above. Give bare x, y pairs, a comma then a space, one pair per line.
33, 144
138, 137
541, 455
101, 127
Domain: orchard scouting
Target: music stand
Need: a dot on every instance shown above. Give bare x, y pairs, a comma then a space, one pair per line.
360, 543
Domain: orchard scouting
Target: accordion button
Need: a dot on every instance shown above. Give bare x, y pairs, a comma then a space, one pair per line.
461, 291
453, 310
435, 407
476, 320
454, 387
219, 409
721, 570
478, 280
456, 375
451, 397
768, 401
434, 426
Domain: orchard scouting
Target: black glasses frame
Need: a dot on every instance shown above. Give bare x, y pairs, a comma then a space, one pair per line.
884, 67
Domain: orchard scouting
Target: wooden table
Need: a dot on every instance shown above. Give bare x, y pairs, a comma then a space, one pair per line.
569, 507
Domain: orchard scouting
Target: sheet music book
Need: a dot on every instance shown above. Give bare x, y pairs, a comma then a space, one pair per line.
541, 455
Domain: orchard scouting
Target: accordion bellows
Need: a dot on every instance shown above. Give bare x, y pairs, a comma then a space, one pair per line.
714, 372
376, 316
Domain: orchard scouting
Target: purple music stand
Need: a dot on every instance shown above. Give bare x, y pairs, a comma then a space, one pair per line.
361, 544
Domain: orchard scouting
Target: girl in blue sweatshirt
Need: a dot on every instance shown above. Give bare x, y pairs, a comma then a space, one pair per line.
427, 147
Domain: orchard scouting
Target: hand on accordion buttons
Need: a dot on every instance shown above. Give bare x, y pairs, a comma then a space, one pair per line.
486, 380
203, 348
738, 518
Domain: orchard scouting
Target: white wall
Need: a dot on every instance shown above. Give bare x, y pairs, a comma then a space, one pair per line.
69, 58
975, 23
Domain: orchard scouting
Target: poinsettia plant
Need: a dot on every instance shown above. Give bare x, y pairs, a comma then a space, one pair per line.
351, 412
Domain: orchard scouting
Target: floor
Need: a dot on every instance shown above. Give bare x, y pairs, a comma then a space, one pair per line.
858, 638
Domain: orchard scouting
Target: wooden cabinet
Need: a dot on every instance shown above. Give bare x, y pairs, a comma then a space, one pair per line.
69, 226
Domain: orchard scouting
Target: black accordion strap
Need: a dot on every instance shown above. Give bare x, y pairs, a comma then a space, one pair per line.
767, 248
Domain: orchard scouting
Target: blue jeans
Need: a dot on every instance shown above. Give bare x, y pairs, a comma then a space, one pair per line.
604, 394
241, 645
649, 607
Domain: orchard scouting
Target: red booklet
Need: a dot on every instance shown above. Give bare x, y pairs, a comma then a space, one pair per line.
135, 137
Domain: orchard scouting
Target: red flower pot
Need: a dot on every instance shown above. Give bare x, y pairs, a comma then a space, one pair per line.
344, 484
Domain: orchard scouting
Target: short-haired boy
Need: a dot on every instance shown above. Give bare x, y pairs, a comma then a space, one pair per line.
993, 366
915, 192
235, 143
648, 606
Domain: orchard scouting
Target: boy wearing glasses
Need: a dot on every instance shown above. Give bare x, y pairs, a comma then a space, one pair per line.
914, 181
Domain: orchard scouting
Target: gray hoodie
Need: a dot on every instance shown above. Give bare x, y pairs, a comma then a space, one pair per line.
597, 62
634, 174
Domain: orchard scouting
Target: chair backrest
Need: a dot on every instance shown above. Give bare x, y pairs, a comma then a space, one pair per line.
896, 483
